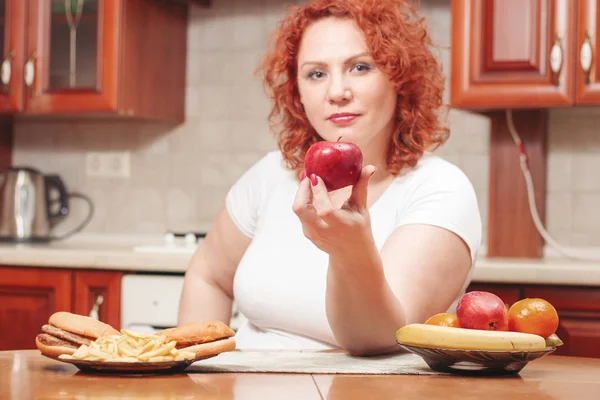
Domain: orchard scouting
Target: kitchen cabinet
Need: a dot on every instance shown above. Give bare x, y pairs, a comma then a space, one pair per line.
516, 53
578, 310
588, 40
99, 291
28, 296
95, 58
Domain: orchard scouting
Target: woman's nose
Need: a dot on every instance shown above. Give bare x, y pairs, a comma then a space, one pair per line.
339, 91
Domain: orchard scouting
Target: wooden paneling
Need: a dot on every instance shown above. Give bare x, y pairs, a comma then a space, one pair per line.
88, 285
507, 22
27, 299
154, 52
511, 230
501, 53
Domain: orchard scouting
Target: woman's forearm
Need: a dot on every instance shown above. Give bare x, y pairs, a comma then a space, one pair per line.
202, 300
362, 310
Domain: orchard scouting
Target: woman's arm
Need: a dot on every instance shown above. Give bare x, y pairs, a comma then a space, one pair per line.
371, 294
208, 287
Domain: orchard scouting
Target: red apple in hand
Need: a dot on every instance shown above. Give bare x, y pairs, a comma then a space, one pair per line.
338, 163
482, 310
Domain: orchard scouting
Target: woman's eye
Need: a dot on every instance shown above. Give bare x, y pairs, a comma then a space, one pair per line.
315, 75
361, 67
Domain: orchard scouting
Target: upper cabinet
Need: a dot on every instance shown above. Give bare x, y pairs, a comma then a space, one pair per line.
519, 53
94, 58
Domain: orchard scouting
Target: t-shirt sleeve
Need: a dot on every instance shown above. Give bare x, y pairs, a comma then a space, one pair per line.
446, 199
247, 195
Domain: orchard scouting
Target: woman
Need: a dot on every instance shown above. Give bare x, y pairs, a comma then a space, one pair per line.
312, 269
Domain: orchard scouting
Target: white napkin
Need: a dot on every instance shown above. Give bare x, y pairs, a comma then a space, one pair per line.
313, 363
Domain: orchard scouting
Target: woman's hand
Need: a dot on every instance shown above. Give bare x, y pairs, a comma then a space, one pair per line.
334, 230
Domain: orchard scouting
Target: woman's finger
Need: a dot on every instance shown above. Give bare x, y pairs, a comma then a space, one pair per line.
358, 198
303, 202
321, 201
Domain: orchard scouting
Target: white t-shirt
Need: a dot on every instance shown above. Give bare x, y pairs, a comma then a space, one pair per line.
280, 282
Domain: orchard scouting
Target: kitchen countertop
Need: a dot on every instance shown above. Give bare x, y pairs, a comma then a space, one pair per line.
147, 253
29, 375
114, 252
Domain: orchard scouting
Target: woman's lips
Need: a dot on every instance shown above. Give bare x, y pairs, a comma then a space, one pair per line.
343, 119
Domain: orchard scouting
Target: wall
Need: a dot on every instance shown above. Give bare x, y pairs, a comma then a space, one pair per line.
179, 176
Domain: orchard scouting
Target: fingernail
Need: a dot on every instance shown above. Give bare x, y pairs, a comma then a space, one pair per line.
313, 179
303, 176
374, 170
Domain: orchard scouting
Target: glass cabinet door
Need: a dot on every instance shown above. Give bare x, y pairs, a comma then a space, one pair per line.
73, 45
72, 54
12, 48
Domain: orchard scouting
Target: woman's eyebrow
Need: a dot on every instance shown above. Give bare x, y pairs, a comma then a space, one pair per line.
347, 61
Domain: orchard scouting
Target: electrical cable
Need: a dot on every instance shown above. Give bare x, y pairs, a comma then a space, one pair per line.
523, 160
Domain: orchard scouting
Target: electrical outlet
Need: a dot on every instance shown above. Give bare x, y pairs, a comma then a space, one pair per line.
107, 164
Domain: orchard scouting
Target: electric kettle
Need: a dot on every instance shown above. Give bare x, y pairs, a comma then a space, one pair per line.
28, 211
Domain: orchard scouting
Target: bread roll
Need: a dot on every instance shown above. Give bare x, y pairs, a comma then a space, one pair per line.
81, 325
197, 333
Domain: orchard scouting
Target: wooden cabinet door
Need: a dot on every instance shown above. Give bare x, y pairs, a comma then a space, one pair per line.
12, 50
502, 51
588, 50
72, 56
580, 335
100, 288
28, 296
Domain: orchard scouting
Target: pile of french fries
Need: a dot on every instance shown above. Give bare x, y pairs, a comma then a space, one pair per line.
130, 347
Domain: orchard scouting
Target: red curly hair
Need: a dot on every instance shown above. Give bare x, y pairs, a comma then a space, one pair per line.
398, 42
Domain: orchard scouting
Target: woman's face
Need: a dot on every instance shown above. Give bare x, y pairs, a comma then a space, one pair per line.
342, 91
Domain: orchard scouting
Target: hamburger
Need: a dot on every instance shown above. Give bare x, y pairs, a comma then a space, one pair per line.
65, 332
202, 338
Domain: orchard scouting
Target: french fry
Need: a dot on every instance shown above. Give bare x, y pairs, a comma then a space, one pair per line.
130, 347
161, 351
135, 335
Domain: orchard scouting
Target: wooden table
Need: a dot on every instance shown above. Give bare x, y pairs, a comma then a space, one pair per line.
28, 375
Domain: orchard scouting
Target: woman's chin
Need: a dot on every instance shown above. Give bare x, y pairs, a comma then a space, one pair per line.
345, 134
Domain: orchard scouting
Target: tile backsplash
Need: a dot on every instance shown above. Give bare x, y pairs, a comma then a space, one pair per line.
180, 175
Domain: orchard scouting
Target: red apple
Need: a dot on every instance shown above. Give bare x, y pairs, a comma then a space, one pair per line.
482, 310
338, 163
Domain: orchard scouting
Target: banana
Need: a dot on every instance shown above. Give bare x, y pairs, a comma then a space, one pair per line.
554, 341
444, 337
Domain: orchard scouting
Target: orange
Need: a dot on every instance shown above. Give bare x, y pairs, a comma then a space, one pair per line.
533, 315
444, 319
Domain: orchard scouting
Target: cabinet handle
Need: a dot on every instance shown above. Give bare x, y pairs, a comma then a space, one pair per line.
6, 69
556, 59
30, 72
94, 311
586, 56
